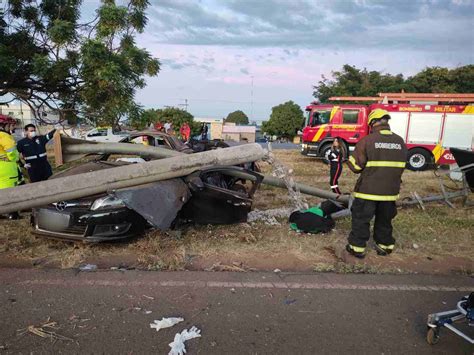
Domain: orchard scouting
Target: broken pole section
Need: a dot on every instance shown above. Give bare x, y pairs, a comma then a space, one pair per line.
92, 183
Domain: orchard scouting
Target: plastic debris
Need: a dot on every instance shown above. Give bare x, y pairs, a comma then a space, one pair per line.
415, 246
88, 267
177, 346
165, 323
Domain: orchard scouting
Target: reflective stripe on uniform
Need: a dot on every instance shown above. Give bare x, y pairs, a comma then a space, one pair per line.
386, 247
357, 249
353, 162
375, 197
12, 149
386, 132
385, 164
334, 186
31, 157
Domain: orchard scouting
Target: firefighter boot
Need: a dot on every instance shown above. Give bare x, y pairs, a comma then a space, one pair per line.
383, 250
358, 252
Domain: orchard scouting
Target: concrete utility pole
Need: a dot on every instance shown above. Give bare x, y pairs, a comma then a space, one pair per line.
97, 182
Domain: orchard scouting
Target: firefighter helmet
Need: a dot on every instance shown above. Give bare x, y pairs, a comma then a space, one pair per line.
376, 115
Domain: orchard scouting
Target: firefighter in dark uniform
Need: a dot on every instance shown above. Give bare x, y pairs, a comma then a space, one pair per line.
33, 151
380, 159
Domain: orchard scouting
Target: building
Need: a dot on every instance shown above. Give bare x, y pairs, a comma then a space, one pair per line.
214, 126
232, 132
25, 115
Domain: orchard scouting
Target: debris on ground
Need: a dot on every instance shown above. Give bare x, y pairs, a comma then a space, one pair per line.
87, 267
46, 331
289, 301
270, 216
177, 346
165, 323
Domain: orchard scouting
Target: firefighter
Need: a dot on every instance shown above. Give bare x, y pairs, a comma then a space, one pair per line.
335, 161
380, 159
33, 151
8, 157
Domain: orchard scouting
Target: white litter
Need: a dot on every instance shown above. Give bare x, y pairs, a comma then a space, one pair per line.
165, 323
177, 346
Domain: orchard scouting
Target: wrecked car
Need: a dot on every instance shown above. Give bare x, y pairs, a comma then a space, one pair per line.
220, 195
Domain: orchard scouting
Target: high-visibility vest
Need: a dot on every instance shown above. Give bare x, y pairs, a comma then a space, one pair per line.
8, 161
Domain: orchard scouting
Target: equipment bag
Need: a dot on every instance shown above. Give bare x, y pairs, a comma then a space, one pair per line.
310, 221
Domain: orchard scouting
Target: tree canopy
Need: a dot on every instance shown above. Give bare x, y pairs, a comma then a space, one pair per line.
285, 120
237, 117
90, 70
351, 81
176, 116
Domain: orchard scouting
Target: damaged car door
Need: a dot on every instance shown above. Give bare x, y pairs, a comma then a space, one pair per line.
220, 195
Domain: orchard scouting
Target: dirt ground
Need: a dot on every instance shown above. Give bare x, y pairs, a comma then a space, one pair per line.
437, 240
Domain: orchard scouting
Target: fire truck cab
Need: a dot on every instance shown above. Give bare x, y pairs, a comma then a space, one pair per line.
429, 130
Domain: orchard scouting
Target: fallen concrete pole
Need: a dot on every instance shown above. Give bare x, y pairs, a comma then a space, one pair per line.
87, 184
120, 148
306, 189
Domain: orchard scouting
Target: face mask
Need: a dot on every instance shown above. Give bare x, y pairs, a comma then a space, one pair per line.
32, 134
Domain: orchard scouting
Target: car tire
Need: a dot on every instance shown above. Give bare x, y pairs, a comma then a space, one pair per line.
419, 159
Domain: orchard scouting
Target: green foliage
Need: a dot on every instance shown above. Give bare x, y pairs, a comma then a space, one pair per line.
90, 70
351, 81
285, 120
176, 116
237, 117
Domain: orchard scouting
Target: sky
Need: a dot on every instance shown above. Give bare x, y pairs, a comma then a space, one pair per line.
251, 55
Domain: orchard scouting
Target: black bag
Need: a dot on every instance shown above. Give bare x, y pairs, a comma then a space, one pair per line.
310, 221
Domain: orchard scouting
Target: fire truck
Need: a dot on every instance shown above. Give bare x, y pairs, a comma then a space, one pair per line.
428, 127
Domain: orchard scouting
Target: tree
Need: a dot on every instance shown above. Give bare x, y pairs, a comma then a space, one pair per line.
351, 81
91, 70
176, 116
237, 117
434, 79
285, 120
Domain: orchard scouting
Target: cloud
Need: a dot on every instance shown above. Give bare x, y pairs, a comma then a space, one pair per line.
421, 24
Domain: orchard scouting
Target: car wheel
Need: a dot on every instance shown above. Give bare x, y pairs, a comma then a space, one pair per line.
419, 159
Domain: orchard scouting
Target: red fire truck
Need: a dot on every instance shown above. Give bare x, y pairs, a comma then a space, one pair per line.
429, 130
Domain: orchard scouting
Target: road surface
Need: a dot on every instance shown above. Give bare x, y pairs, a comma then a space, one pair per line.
238, 313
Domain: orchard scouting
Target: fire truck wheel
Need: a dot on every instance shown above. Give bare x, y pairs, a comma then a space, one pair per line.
324, 152
418, 159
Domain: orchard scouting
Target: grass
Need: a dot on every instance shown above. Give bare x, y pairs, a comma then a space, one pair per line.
438, 239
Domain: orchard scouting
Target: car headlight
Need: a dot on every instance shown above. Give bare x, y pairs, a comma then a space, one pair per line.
107, 202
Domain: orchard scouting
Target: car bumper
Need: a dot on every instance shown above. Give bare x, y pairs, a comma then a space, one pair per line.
310, 149
86, 225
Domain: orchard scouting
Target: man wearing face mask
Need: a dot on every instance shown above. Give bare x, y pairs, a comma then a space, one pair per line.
33, 151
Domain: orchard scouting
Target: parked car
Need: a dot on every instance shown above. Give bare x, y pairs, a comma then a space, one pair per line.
105, 135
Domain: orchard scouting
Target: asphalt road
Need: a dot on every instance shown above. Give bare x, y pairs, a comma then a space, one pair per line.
238, 313
288, 145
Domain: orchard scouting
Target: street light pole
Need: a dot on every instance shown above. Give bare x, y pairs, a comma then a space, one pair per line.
251, 99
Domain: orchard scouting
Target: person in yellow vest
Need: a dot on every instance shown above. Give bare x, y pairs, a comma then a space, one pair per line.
9, 156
